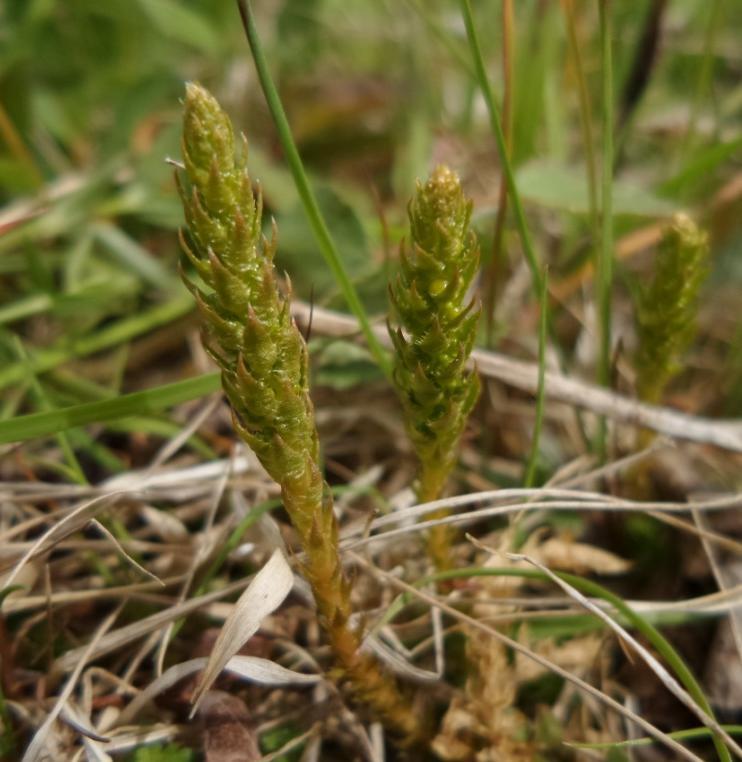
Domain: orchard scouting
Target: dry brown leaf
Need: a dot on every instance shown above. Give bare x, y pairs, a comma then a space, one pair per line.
577, 654
228, 732
579, 557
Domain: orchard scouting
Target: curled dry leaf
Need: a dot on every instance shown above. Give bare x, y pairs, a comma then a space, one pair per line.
263, 596
76, 720
25, 580
267, 672
580, 557
66, 526
164, 524
228, 732
251, 668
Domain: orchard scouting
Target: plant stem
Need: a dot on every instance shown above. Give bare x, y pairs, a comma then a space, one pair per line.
586, 122
604, 265
490, 284
311, 207
497, 129
540, 393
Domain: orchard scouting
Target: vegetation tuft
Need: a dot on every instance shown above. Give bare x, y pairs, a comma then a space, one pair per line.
212, 532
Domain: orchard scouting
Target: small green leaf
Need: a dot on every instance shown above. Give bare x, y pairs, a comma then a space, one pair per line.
299, 253
177, 21
344, 365
556, 186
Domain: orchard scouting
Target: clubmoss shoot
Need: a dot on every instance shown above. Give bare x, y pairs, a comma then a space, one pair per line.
434, 329
666, 310
248, 331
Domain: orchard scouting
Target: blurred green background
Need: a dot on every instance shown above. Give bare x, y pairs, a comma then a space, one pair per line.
376, 93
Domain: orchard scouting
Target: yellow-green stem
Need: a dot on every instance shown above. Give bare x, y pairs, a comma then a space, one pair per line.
359, 672
248, 331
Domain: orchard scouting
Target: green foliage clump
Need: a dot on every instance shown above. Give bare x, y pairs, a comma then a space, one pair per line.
248, 330
666, 310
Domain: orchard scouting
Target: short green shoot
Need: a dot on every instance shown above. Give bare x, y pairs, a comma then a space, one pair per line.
435, 325
666, 310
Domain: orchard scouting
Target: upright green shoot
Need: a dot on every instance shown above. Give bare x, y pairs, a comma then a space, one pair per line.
666, 310
248, 330
435, 330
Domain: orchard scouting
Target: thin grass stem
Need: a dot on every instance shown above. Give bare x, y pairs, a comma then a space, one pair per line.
430, 20
499, 133
586, 121
704, 74
308, 199
604, 264
541, 390
495, 264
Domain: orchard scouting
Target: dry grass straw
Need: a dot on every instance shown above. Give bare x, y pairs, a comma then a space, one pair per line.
185, 489
183, 485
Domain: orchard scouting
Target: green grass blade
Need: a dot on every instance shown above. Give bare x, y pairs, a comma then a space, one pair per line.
308, 199
679, 735
497, 129
604, 265
26, 307
540, 392
73, 465
134, 257
136, 404
46, 359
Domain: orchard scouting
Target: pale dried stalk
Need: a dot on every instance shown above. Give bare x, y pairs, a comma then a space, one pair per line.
524, 376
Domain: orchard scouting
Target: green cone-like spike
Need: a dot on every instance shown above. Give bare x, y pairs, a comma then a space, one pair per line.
248, 330
429, 304
666, 310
